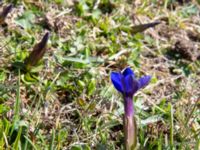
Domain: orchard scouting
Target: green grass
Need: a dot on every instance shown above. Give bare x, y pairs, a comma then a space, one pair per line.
67, 100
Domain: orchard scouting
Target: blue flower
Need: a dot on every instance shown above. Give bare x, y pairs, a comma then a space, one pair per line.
126, 82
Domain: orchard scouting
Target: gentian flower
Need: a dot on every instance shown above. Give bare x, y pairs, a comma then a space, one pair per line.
37, 52
127, 84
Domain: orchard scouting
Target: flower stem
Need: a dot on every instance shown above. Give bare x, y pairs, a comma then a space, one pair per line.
128, 107
130, 132
130, 128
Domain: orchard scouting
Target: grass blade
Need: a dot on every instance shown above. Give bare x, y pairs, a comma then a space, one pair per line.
52, 140
171, 127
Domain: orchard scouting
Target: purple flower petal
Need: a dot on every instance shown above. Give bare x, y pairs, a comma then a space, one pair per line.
132, 85
117, 79
144, 80
128, 71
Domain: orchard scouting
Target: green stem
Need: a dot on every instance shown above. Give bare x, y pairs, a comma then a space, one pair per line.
52, 140
17, 102
171, 127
